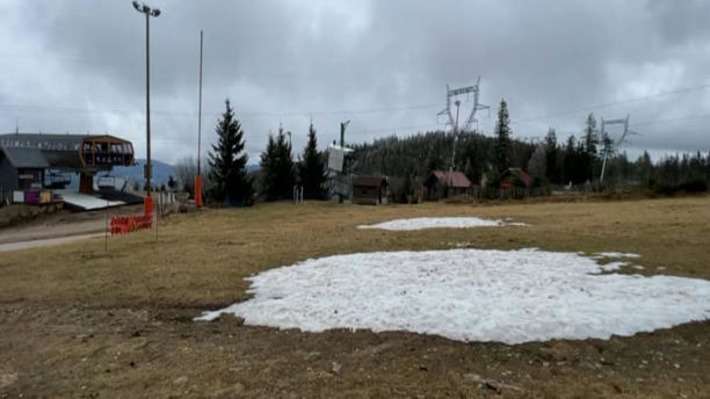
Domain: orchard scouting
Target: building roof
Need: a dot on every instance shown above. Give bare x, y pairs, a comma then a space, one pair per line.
455, 179
21, 157
369, 181
47, 142
520, 175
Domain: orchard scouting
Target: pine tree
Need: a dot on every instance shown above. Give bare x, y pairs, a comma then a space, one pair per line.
227, 161
278, 171
591, 140
571, 161
590, 135
644, 168
551, 157
607, 152
312, 170
502, 132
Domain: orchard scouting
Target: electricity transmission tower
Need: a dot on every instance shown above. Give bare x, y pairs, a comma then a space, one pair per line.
454, 121
622, 139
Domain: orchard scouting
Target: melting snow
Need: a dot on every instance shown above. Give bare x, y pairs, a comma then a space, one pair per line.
600, 255
610, 267
437, 223
470, 295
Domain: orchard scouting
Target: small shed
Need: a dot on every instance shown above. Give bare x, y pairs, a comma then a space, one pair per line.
441, 184
515, 177
21, 168
369, 190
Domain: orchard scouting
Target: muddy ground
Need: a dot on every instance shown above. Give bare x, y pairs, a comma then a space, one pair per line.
76, 321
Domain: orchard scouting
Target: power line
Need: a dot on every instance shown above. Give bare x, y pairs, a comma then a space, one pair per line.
345, 111
682, 118
613, 103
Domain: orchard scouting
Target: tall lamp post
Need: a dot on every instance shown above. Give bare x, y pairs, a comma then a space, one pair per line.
149, 12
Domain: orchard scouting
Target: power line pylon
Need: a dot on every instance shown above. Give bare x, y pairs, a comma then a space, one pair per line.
454, 121
627, 132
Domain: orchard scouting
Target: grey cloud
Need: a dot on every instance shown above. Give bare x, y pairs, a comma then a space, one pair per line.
279, 61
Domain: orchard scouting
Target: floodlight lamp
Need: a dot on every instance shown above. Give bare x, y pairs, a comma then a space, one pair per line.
137, 6
156, 12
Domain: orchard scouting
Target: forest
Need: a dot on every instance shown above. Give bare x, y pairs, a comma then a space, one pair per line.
588, 162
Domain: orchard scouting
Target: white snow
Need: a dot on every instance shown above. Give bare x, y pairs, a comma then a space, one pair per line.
470, 295
438, 223
610, 267
615, 255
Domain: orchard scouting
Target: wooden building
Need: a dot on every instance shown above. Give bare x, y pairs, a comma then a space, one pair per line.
515, 177
369, 190
442, 184
26, 158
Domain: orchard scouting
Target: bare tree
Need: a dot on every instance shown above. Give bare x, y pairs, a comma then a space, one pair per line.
537, 163
185, 170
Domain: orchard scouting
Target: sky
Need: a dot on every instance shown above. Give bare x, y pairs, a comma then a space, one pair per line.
79, 66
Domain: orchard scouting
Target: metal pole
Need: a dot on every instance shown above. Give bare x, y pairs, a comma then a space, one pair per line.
106, 233
157, 214
198, 178
147, 101
456, 128
199, 119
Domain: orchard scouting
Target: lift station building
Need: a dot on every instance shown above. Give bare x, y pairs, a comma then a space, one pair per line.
35, 161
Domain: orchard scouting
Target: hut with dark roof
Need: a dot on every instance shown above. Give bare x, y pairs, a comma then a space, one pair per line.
369, 190
442, 184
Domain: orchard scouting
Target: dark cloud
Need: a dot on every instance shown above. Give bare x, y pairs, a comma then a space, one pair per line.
80, 66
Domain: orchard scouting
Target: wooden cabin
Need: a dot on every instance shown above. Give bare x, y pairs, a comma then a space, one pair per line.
442, 184
369, 190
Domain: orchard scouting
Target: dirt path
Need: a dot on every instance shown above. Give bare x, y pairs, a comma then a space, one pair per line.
62, 226
53, 231
35, 243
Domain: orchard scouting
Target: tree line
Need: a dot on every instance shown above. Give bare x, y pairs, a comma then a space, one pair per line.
578, 161
574, 162
228, 181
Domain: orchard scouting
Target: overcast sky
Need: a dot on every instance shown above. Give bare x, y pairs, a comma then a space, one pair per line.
79, 66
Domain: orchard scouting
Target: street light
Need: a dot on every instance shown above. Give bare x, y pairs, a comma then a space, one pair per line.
149, 12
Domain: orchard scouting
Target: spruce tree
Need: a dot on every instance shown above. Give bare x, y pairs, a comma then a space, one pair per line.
312, 170
227, 160
278, 171
551, 157
571, 164
502, 132
591, 140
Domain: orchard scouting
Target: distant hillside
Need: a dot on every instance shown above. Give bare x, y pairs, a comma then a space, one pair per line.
161, 172
418, 155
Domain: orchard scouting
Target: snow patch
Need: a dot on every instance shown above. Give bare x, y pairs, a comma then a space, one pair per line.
600, 255
470, 295
438, 223
610, 267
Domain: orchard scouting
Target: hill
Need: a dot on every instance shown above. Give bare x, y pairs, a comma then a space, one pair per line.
161, 172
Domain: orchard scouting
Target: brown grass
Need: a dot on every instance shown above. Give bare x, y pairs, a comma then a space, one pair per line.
155, 286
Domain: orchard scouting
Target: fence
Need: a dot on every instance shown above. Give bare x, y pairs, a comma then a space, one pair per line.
166, 204
129, 224
481, 193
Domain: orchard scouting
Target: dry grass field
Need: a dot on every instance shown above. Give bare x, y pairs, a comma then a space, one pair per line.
78, 321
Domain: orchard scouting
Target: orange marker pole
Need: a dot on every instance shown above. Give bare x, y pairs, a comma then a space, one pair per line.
198, 191
148, 206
